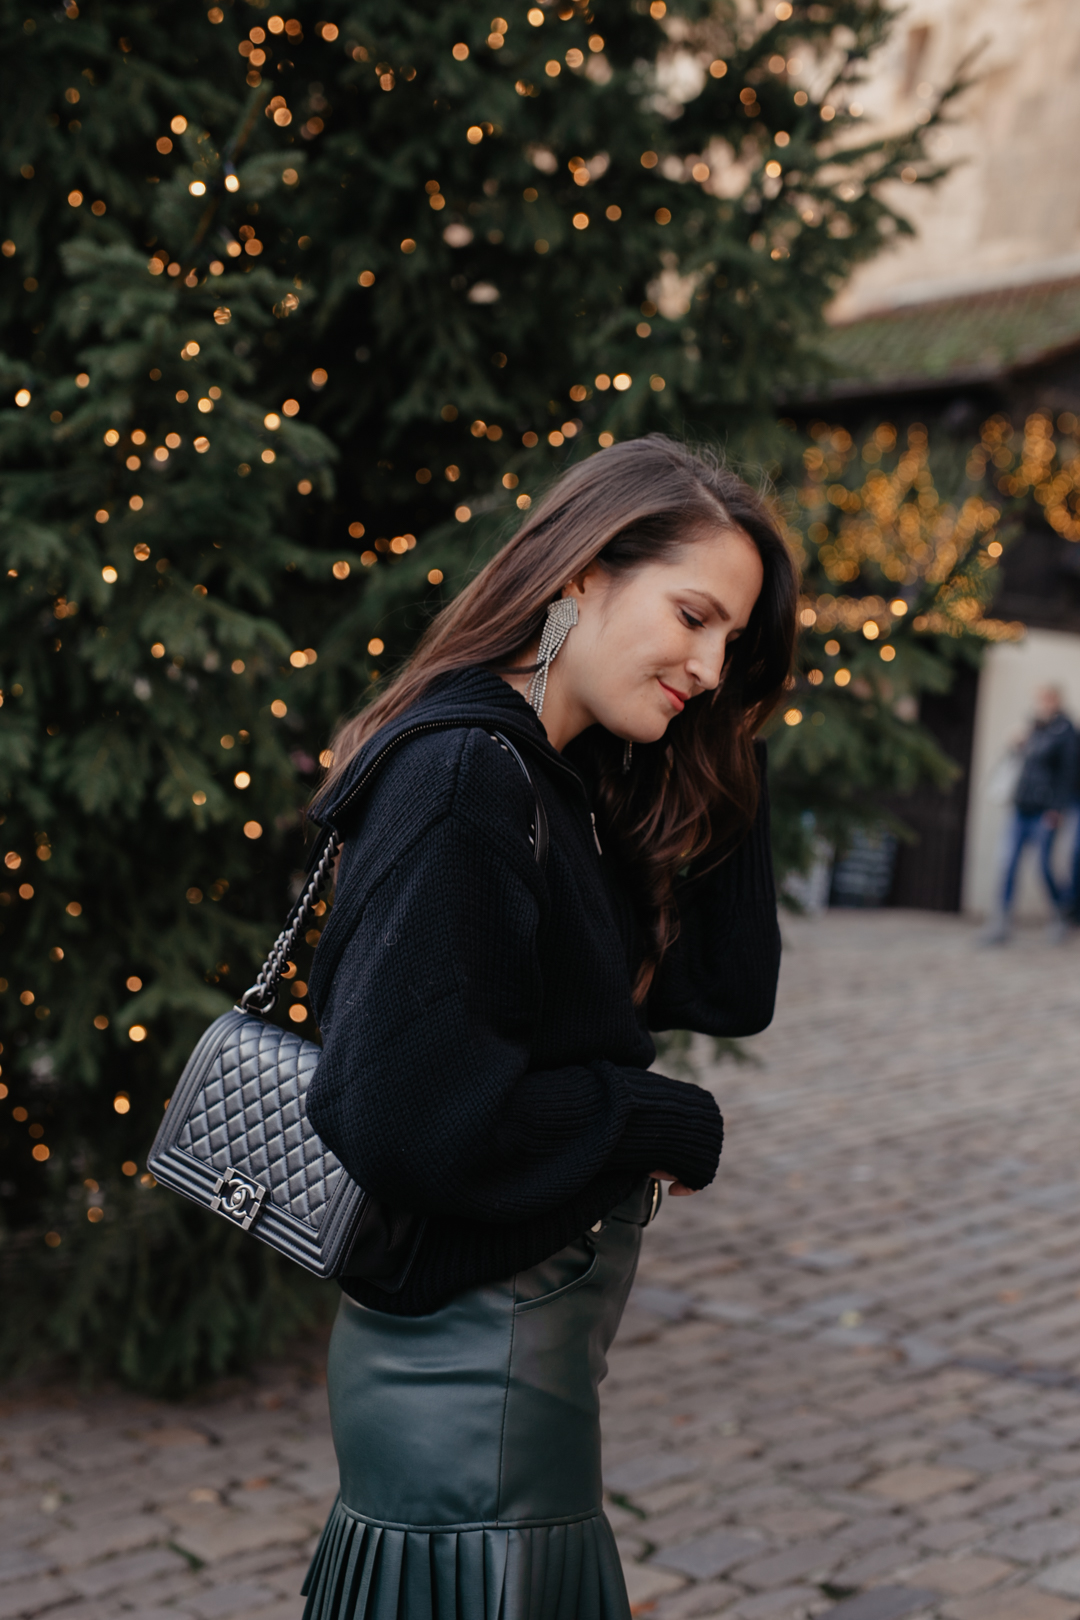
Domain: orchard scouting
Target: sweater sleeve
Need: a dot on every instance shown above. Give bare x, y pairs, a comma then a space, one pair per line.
424, 1090
720, 976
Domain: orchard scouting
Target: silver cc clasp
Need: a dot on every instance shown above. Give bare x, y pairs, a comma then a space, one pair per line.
237, 1197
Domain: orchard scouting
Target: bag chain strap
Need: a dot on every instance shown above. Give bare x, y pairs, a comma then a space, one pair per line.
262, 995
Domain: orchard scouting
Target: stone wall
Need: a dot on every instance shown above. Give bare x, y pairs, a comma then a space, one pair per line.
1010, 210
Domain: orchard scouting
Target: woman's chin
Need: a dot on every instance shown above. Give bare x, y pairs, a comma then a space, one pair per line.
646, 725
648, 731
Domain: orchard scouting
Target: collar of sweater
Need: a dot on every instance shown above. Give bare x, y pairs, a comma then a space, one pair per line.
468, 697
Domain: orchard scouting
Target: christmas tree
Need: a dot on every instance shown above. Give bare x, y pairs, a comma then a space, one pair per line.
299, 311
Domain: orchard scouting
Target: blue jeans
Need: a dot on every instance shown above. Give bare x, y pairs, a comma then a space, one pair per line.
1025, 827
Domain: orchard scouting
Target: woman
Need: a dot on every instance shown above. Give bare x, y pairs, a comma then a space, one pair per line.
485, 1011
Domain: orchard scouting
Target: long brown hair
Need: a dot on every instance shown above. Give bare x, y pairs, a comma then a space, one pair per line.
694, 792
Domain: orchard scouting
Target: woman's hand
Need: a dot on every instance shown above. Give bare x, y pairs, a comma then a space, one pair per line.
676, 1190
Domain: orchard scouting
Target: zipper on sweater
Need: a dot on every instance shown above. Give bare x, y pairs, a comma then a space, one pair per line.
332, 836
439, 725
413, 731
445, 725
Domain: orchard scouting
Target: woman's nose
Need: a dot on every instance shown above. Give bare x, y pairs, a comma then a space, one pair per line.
707, 668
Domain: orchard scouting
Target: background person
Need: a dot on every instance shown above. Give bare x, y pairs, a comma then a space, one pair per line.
1044, 789
1072, 903
486, 1055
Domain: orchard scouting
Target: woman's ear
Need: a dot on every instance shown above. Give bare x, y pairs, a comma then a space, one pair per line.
580, 582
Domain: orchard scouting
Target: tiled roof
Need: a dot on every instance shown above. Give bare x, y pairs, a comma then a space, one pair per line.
974, 338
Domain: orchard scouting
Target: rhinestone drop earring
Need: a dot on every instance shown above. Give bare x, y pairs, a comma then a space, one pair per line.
562, 615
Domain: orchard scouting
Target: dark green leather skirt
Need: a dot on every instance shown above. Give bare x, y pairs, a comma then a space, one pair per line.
469, 1447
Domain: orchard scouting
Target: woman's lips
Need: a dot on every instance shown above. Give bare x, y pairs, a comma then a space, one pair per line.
676, 697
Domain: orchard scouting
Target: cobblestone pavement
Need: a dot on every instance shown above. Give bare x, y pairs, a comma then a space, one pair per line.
848, 1384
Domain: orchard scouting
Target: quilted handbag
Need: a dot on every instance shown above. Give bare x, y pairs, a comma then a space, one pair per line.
236, 1139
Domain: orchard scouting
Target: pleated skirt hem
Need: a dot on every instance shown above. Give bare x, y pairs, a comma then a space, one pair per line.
364, 1571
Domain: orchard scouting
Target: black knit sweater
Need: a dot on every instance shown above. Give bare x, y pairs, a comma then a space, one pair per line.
483, 1062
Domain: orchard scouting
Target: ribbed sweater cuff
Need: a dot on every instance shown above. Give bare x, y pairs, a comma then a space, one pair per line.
672, 1126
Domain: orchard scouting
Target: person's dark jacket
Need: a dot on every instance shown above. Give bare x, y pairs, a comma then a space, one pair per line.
483, 1062
1047, 776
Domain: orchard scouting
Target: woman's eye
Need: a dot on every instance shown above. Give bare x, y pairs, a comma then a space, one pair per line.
692, 623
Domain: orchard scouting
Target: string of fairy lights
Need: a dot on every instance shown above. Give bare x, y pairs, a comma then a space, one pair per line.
897, 522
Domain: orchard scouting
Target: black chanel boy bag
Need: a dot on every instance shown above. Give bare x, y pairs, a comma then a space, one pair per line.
235, 1137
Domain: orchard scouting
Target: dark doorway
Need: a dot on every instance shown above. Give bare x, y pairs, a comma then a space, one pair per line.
929, 873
